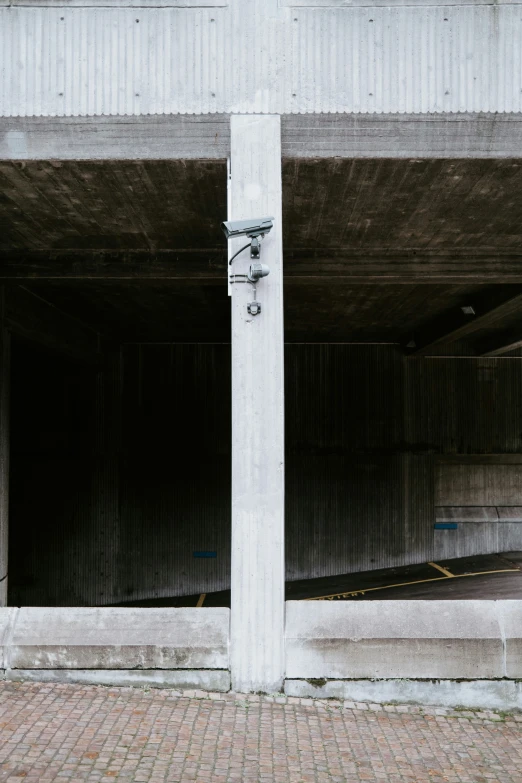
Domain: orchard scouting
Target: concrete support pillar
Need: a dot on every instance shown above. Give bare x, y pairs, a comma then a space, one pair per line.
5, 366
257, 623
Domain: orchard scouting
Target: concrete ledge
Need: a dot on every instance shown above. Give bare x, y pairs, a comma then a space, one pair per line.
120, 638
115, 138
387, 135
182, 679
473, 694
189, 136
394, 639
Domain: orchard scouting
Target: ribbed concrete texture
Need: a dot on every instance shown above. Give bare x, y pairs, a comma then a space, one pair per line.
254, 56
355, 499
412, 639
258, 477
88, 638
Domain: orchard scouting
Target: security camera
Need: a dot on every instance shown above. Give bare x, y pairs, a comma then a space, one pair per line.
257, 271
254, 227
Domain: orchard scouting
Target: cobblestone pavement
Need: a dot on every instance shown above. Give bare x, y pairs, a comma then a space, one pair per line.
77, 733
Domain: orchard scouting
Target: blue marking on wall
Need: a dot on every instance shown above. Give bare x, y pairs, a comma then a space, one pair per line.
204, 554
445, 525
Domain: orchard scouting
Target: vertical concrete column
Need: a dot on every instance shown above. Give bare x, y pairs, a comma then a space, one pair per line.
5, 366
257, 617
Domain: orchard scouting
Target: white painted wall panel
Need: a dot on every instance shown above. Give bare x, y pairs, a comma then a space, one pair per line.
255, 57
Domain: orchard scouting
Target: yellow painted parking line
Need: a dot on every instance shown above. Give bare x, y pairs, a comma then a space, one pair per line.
353, 593
201, 599
441, 569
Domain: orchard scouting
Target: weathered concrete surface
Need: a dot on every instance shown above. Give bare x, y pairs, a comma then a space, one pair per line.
258, 446
511, 619
387, 135
115, 138
112, 638
380, 639
474, 694
468, 482
7, 616
471, 538
181, 679
482, 135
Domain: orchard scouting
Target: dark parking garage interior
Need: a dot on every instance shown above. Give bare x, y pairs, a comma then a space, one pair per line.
403, 408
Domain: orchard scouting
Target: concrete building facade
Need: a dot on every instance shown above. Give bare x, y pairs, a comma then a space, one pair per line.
158, 438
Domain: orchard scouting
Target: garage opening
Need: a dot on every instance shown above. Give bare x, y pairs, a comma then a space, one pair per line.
403, 314
403, 381
120, 476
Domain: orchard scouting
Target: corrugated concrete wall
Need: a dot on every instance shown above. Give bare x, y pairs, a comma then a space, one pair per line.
119, 477
353, 500
482, 495
465, 410
59, 59
116, 515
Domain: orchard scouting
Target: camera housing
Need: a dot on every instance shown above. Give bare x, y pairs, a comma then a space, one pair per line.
257, 271
253, 227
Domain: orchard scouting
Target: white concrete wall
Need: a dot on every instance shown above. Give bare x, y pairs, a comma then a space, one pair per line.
114, 638
404, 651
403, 639
257, 56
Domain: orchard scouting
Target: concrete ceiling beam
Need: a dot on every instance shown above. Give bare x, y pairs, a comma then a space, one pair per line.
180, 136
304, 266
459, 135
466, 321
500, 346
188, 136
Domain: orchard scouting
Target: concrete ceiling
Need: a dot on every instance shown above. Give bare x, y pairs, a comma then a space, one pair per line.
186, 311
155, 226
349, 205
424, 205
137, 205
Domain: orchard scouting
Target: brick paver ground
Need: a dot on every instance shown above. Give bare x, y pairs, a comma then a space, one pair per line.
77, 733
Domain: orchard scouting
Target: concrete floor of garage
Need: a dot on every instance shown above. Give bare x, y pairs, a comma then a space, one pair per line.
51, 732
